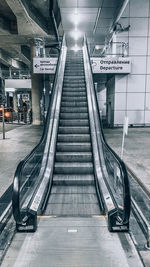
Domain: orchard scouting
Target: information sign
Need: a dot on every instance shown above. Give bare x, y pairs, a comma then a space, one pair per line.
111, 64
45, 65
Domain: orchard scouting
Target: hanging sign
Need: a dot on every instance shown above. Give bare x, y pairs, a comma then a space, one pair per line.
111, 64
44, 65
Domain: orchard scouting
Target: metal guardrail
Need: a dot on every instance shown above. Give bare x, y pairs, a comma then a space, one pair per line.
114, 172
15, 74
143, 222
17, 117
138, 212
28, 175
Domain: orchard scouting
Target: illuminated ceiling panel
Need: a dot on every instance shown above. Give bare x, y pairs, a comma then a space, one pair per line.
93, 18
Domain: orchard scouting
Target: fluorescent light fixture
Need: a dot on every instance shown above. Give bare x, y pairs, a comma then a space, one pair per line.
97, 47
76, 11
76, 34
76, 48
75, 17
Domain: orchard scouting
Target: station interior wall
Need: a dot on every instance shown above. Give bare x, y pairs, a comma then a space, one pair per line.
130, 94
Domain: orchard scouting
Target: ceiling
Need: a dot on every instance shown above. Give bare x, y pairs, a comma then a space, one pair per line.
21, 21
92, 18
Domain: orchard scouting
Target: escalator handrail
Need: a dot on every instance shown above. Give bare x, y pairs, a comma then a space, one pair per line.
122, 167
18, 172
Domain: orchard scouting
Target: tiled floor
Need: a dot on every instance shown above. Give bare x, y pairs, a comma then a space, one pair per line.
18, 143
136, 150
72, 242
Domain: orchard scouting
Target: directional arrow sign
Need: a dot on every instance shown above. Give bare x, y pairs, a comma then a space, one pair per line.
111, 64
44, 65
36, 66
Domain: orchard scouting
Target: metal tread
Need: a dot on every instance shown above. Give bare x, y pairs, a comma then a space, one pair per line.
74, 109
74, 122
75, 156
73, 137
74, 147
74, 129
73, 168
73, 179
73, 115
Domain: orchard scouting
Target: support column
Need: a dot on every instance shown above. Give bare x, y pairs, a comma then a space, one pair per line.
37, 81
37, 86
15, 105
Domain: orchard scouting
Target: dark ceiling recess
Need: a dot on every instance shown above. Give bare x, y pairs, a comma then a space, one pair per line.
25, 50
53, 18
8, 16
47, 9
35, 12
56, 10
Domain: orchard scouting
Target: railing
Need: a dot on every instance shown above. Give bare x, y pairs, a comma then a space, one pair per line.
28, 174
113, 168
118, 182
114, 49
19, 117
15, 74
142, 221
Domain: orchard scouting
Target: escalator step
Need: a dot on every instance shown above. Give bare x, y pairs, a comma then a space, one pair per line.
73, 138
74, 86
62, 209
74, 122
74, 130
73, 147
73, 115
76, 180
73, 168
73, 199
74, 89
74, 109
74, 98
73, 189
74, 104
73, 94
73, 156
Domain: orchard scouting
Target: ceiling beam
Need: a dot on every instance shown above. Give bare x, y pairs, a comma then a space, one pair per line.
8, 61
29, 20
35, 15
15, 52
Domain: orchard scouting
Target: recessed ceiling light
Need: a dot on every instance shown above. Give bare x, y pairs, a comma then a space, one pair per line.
97, 47
76, 11
76, 34
76, 48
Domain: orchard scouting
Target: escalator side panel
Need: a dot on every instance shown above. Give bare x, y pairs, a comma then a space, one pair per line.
45, 185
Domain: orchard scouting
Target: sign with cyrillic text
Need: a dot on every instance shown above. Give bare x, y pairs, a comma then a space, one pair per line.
111, 65
45, 65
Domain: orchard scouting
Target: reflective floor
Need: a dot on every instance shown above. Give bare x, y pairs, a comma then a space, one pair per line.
72, 242
18, 143
136, 150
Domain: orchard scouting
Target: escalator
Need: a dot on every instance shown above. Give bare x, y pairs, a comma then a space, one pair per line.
73, 192
72, 171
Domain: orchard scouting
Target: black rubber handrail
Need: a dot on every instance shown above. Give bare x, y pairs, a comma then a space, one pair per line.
18, 173
122, 167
